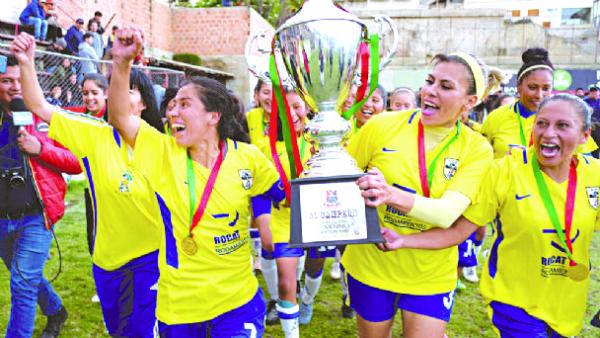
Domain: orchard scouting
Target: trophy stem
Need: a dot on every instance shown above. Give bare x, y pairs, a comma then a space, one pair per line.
327, 132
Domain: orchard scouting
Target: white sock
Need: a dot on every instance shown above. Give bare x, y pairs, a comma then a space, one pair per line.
311, 288
300, 267
290, 323
269, 271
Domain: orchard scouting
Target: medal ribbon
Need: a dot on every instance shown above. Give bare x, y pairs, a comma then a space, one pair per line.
195, 217
565, 238
426, 173
521, 130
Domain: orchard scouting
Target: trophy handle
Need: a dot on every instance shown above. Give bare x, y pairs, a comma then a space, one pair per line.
382, 20
263, 71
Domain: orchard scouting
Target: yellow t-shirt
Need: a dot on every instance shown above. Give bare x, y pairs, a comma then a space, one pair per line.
389, 143
527, 266
218, 278
126, 213
501, 127
280, 218
257, 126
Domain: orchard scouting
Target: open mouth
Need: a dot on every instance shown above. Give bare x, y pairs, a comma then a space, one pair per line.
177, 127
367, 113
430, 108
549, 149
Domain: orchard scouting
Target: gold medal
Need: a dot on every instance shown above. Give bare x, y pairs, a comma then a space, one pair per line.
188, 245
578, 272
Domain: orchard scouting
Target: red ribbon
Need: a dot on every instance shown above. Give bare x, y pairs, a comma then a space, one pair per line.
210, 184
570, 206
422, 163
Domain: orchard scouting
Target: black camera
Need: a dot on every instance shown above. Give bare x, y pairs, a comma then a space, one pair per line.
14, 177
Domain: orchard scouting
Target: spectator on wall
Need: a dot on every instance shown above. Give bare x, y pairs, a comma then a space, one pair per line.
54, 97
74, 37
98, 20
34, 15
87, 51
98, 43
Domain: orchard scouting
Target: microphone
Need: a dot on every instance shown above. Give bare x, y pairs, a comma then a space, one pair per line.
20, 114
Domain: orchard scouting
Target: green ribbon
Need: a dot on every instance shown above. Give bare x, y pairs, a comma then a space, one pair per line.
548, 204
374, 81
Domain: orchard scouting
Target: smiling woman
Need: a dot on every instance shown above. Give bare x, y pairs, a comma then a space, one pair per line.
510, 125
536, 253
427, 184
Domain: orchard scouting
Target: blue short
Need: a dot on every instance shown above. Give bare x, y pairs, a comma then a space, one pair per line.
282, 250
247, 320
128, 296
466, 252
321, 252
514, 322
377, 305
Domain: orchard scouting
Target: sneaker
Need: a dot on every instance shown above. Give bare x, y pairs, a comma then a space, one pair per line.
470, 274
95, 299
347, 311
485, 253
306, 312
335, 272
272, 316
460, 286
55, 323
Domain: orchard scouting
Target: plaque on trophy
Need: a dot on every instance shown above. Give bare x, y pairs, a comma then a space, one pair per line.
319, 47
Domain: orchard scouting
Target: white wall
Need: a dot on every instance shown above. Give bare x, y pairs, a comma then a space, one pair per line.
11, 9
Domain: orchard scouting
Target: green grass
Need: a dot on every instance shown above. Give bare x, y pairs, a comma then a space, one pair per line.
76, 286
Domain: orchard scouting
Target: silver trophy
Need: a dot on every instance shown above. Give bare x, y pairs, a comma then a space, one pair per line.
319, 47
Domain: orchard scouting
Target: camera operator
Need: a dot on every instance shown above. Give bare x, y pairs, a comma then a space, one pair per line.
32, 194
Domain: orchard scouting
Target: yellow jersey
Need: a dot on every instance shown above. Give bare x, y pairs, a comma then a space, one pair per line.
527, 266
218, 277
126, 215
257, 126
280, 218
501, 127
389, 143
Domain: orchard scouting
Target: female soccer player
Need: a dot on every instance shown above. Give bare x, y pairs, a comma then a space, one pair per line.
94, 90
374, 105
537, 276
403, 98
258, 118
510, 125
205, 184
289, 264
126, 225
424, 170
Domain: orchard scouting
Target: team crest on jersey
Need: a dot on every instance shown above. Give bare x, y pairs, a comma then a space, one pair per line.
126, 179
592, 195
246, 176
42, 127
331, 198
450, 167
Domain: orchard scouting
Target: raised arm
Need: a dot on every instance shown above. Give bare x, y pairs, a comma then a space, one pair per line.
128, 43
23, 48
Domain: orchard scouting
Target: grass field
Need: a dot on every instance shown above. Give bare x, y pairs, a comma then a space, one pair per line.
75, 285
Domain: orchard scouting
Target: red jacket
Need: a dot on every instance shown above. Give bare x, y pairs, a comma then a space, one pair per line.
47, 167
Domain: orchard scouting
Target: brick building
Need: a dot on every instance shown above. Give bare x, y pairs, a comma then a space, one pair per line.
217, 35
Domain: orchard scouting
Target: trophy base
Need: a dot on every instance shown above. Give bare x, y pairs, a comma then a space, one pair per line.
329, 211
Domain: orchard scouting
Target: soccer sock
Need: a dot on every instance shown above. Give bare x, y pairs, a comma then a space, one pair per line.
300, 267
343, 282
288, 316
311, 287
269, 271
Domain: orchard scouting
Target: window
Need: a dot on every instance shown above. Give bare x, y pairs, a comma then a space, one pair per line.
533, 12
576, 16
516, 13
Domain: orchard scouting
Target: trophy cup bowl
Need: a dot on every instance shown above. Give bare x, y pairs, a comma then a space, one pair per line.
320, 48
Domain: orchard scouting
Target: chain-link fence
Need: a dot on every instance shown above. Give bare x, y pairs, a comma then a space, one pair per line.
61, 75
